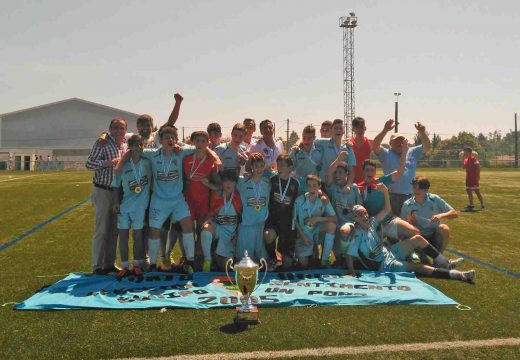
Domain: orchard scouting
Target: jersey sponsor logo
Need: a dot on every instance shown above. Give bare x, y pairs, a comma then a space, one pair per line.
226, 219
132, 183
252, 201
170, 176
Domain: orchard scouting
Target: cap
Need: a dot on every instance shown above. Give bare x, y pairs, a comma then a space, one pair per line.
396, 136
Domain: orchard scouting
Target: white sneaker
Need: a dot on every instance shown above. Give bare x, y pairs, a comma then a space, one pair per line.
468, 276
453, 263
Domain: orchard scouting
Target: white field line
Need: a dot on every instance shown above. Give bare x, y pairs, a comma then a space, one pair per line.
348, 350
28, 176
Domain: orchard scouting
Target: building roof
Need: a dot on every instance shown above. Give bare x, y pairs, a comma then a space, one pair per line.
65, 101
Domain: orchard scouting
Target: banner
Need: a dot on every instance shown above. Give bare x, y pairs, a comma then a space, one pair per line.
214, 290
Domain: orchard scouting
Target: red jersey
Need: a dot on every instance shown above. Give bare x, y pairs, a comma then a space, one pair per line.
195, 192
472, 166
362, 152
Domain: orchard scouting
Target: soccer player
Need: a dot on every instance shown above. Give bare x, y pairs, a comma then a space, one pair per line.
342, 202
472, 166
331, 148
326, 129
102, 160
426, 210
250, 130
306, 157
361, 146
374, 201
401, 190
215, 134
254, 192
233, 154
284, 190
267, 145
368, 247
225, 212
312, 215
135, 179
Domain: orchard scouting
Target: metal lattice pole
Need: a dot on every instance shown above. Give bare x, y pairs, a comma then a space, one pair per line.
348, 23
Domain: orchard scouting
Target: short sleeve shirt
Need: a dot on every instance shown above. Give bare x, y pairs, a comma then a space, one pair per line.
229, 157
306, 163
390, 161
330, 152
270, 154
255, 199
304, 209
343, 202
134, 175
421, 214
373, 199
368, 243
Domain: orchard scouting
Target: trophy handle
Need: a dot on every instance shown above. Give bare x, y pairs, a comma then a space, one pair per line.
263, 265
229, 264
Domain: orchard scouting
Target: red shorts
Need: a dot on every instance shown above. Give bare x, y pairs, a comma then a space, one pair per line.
472, 184
199, 208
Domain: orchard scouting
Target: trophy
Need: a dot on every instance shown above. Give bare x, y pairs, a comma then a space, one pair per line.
246, 275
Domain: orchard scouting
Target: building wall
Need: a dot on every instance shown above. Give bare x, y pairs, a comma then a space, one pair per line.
73, 124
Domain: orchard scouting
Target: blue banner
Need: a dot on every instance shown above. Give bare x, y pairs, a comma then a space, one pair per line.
214, 290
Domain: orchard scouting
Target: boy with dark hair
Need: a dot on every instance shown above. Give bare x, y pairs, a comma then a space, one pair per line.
215, 133
331, 148
326, 129
312, 215
361, 146
254, 192
284, 190
225, 212
306, 157
250, 130
472, 166
233, 154
135, 180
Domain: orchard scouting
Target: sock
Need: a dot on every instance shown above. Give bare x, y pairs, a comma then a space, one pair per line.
435, 255
328, 244
188, 240
455, 274
442, 273
153, 249
124, 264
206, 239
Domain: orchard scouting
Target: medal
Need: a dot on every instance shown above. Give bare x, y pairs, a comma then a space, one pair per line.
282, 195
258, 207
137, 189
137, 176
309, 210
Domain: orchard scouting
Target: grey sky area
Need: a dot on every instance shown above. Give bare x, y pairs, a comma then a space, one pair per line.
456, 63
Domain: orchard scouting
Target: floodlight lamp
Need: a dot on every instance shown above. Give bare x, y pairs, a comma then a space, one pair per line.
352, 14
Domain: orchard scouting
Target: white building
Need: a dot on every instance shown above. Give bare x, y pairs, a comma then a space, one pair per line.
58, 134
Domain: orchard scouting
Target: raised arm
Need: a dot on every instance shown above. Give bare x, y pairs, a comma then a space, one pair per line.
341, 159
400, 170
388, 208
425, 140
176, 109
376, 144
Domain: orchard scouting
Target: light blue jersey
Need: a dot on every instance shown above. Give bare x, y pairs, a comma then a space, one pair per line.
390, 161
422, 214
343, 202
229, 157
306, 163
132, 176
255, 199
226, 220
330, 153
167, 173
368, 246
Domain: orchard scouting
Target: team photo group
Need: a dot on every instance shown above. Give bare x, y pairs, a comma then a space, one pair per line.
317, 205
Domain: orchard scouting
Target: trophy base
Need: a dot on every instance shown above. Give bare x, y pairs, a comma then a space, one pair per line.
247, 318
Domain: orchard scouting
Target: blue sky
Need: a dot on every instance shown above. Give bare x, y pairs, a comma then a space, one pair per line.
456, 63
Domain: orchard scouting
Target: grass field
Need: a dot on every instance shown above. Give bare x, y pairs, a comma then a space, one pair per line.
63, 246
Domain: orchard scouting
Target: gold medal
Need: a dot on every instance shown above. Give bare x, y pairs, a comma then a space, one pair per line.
310, 226
137, 189
258, 207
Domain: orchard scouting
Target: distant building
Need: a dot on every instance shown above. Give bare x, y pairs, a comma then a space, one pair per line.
63, 131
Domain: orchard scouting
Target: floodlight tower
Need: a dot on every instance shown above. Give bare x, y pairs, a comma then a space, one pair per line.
348, 23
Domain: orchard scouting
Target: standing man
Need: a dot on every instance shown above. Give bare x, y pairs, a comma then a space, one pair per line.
250, 130
400, 190
102, 160
361, 145
267, 145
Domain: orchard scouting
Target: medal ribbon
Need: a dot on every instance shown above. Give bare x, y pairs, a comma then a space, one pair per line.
227, 204
192, 172
166, 170
282, 195
137, 172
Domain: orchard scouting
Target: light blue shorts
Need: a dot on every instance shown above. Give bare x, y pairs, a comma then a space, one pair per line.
251, 238
302, 250
224, 246
394, 260
160, 211
134, 219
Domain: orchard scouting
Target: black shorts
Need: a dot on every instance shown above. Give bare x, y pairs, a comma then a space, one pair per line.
286, 235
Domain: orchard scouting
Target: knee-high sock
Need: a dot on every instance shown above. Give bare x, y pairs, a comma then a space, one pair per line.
271, 250
206, 239
328, 244
153, 248
435, 255
188, 240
